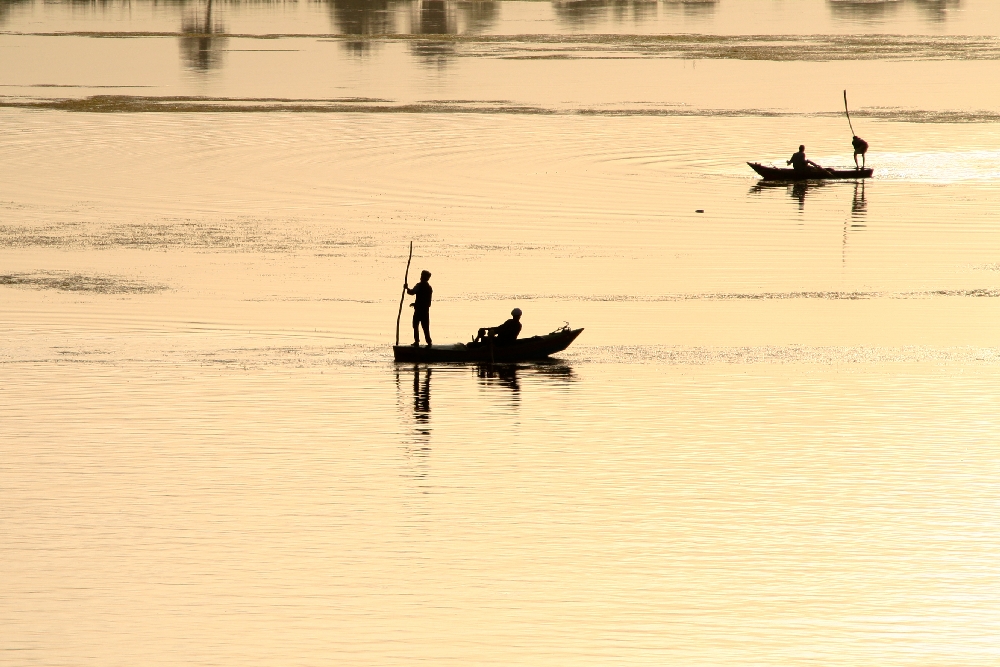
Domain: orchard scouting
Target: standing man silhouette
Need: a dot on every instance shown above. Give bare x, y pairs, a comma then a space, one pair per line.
421, 308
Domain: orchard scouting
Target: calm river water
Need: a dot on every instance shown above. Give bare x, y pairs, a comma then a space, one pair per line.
774, 444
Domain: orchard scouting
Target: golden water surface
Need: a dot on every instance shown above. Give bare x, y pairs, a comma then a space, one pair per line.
775, 442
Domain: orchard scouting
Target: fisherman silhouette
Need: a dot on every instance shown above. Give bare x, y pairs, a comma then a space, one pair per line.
799, 161
860, 148
421, 307
505, 334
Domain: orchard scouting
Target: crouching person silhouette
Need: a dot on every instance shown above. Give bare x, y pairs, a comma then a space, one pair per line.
505, 334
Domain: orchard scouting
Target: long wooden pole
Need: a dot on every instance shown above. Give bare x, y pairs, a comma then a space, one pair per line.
402, 297
847, 111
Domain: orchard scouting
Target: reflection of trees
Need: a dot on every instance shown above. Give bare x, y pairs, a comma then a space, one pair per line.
445, 17
363, 17
862, 10
451, 17
432, 17
692, 8
478, 15
5, 7
579, 13
425, 17
202, 40
877, 10
937, 10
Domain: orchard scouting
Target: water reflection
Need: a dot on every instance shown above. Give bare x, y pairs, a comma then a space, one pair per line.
479, 15
858, 205
433, 17
7, 5
580, 13
797, 190
418, 449
422, 399
202, 39
937, 10
502, 375
691, 8
879, 10
858, 209
864, 10
363, 17
510, 376
800, 190
447, 17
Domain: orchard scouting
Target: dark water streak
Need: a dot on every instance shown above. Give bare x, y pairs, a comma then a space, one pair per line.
194, 104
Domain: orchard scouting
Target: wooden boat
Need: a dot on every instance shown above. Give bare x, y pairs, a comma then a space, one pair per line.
524, 349
782, 174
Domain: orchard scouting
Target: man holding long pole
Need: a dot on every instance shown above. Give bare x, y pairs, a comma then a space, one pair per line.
421, 307
860, 145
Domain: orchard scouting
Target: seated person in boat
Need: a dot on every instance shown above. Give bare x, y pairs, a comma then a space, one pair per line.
505, 334
800, 163
860, 148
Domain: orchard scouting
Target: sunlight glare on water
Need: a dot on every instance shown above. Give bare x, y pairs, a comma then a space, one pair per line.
941, 167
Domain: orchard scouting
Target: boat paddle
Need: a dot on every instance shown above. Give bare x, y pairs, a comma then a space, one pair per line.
402, 297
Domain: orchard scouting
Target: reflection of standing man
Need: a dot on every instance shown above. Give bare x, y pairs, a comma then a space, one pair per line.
421, 395
421, 308
858, 205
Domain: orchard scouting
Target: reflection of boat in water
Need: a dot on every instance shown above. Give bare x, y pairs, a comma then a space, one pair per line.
524, 349
797, 190
782, 174
510, 374
797, 186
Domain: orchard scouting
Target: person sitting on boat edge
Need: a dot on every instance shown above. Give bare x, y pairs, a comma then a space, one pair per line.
860, 148
505, 334
799, 161
421, 307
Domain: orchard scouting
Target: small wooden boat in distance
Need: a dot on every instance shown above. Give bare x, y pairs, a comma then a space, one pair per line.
524, 349
782, 174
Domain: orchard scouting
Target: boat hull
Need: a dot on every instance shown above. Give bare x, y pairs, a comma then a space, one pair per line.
780, 174
525, 349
